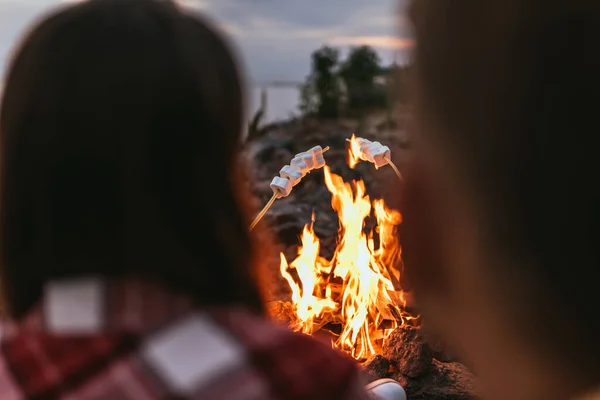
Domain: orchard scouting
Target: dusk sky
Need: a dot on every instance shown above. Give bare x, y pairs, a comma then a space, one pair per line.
274, 37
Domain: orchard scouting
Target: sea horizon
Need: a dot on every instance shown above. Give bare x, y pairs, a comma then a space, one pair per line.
283, 100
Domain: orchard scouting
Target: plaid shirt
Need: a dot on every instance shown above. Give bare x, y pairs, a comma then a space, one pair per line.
126, 341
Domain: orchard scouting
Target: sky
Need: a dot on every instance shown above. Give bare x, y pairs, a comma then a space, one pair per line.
273, 38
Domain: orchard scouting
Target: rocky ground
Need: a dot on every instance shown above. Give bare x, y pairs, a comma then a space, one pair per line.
424, 373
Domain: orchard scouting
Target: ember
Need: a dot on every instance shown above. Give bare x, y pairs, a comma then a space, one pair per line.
354, 290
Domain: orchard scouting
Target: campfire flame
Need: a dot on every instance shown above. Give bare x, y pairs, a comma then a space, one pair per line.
353, 152
354, 289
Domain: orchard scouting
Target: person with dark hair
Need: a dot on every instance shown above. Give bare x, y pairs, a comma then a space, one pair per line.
501, 214
127, 267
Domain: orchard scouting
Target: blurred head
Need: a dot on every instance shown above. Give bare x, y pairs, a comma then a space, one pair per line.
119, 130
502, 216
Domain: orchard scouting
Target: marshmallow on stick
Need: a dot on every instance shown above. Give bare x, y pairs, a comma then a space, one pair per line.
290, 175
374, 152
365, 150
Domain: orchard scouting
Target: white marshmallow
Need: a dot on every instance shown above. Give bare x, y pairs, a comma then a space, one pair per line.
299, 164
319, 160
281, 186
308, 160
364, 147
317, 155
362, 142
366, 152
374, 152
381, 156
291, 174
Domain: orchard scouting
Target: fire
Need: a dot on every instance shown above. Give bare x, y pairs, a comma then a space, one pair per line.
354, 290
354, 151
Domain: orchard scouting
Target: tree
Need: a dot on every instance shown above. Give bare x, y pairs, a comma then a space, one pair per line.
398, 78
322, 88
309, 101
359, 73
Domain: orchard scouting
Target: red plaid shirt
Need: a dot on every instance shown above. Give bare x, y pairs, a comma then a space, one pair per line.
126, 341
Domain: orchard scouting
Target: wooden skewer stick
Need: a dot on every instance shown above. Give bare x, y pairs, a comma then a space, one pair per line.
396, 170
264, 210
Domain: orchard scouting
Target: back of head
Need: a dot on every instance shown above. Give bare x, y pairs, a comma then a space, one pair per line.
507, 98
119, 129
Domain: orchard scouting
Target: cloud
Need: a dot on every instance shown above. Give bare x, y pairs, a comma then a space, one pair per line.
386, 42
274, 38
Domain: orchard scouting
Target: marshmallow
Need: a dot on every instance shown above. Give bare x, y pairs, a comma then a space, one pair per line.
291, 174
366, 151
319, 160
317, 155
362, 142
281, 186
374, 152
381, 156
308, 160
299, 164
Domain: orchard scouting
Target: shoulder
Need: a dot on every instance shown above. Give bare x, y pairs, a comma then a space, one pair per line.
296, 365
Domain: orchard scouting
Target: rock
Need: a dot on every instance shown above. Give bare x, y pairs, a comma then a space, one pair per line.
444, 381
376, 367
441, 350
408, 351
273, 150
287, 219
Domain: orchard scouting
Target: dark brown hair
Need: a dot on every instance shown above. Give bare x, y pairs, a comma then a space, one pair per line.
120, 127
510, 91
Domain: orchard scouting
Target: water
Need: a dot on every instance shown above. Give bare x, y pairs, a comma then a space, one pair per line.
282, 102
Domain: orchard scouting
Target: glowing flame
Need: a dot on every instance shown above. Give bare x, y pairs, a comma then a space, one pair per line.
354, 289
354, 151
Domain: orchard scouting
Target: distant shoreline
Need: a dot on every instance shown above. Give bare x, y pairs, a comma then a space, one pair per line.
268, 84
283, 101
